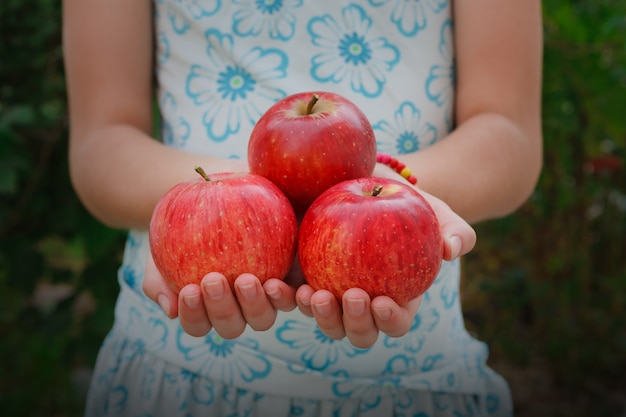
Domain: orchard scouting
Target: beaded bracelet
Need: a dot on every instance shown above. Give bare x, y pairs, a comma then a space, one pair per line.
398, 166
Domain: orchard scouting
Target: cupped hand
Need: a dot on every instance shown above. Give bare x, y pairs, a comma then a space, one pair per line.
213, 304
360, 318
357, 317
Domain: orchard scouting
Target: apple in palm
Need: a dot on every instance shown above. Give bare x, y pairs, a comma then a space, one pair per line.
377, 234
231, 223
310, 141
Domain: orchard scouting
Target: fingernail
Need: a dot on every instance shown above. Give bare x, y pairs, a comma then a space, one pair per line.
382, 313
356, 307
164, 302
323, 308
274, 293
215, 289
455, 246
248, 291
192, 301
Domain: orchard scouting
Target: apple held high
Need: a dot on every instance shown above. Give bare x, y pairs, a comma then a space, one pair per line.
373, 233
310, 141
231, 223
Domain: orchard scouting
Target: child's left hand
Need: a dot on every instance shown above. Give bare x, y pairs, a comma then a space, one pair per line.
360, 318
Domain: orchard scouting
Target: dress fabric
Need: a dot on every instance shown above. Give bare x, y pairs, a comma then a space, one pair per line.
220, 65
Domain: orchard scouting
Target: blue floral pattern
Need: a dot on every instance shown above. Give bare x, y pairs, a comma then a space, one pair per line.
424, 323
407, 131
317, 350
176, 129
213, 354
441, 81
350, 53
228, 90
410, 16
274, 17
182, 13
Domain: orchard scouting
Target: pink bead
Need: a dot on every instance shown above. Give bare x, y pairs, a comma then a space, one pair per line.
383, 158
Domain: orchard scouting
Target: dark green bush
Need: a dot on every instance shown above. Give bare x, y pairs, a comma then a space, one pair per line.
57, 264
545, 287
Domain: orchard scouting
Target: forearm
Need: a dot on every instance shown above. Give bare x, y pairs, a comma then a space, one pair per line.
119, 173
489, 165
486, 168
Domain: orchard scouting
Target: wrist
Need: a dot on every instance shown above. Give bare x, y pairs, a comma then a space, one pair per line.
397, 166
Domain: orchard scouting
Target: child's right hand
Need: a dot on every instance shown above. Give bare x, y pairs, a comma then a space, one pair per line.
212, 304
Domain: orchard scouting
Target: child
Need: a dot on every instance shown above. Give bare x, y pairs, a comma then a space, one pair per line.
453, 88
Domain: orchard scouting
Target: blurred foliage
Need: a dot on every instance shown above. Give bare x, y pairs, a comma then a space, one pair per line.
57, 263
545, 287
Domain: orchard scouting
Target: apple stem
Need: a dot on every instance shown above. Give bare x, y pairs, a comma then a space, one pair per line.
377, 190
203, 174
309, 107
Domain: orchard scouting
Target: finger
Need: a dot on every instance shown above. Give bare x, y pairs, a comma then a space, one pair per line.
256, 308
221, 306
358, 323
303, 299
281, 295
328, 314
392, 319
192, 314
155, 288
459, 237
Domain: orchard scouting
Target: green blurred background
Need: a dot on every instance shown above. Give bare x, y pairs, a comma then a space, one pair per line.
545, 287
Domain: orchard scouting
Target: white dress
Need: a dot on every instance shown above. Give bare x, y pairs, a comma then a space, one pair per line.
220, 65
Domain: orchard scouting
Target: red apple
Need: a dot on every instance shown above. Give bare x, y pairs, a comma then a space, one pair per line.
308, 142
231, 223
376, 234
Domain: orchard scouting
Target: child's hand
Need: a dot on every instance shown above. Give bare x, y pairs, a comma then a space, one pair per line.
212, 304
360, 319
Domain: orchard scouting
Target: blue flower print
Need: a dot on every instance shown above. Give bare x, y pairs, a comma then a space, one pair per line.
492, 403
214, 356
184, 382
400, 364
196, 9
474, 355
318, 351
440, 83
423, 323
448, 295
410, 15
137, 324
233, 87
176, 129
148, 380
116, 401
133, 273
449, 381
408, 132
370, 395
446, 284
349, 53
163, 48
431, 361
274, 17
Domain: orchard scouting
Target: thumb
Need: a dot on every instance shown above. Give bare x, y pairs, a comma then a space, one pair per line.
155, 288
